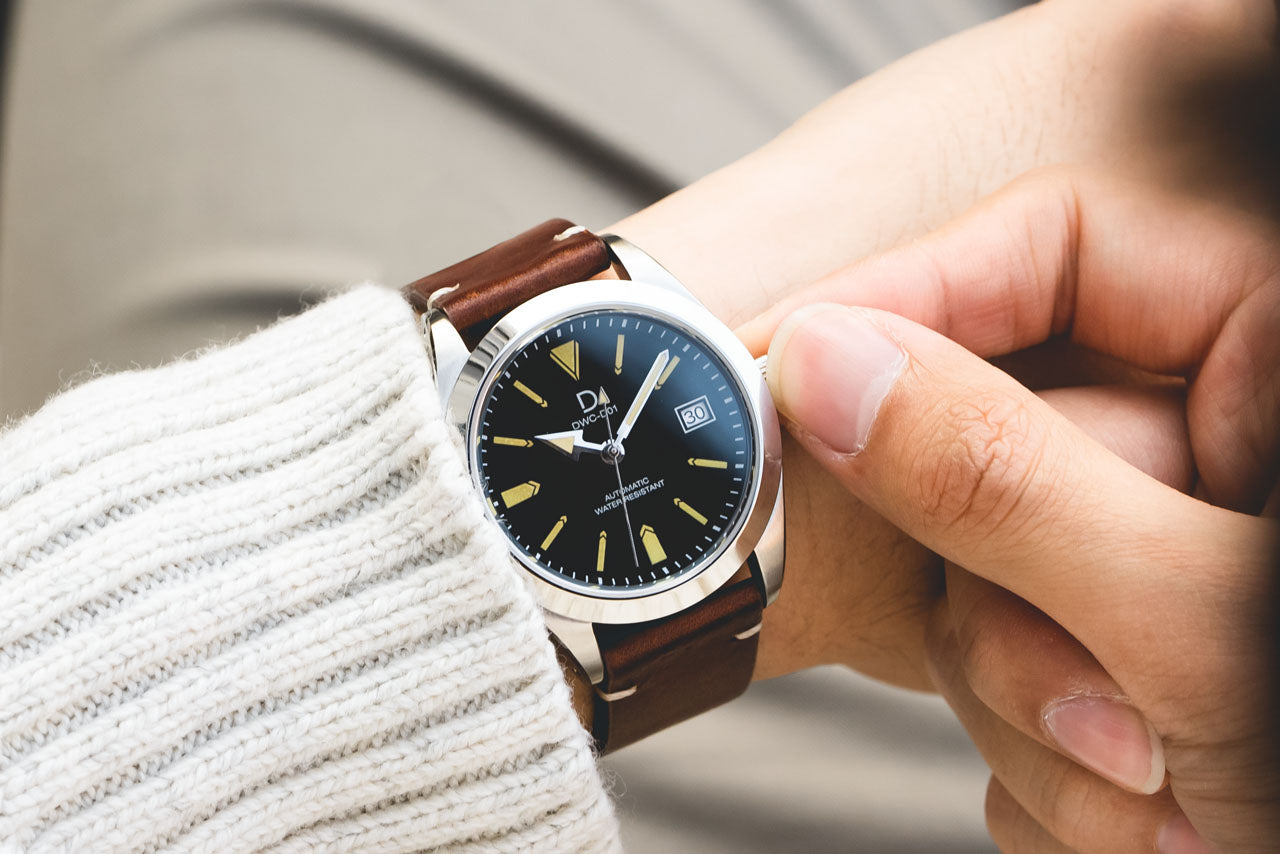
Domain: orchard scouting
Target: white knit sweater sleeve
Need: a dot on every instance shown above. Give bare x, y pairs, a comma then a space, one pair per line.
249, 602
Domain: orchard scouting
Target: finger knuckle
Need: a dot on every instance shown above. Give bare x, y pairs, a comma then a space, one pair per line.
1084, 811
1063, 807
981, 649
937, 641
978, 464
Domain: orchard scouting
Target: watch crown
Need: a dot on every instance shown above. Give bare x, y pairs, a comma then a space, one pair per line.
763, 364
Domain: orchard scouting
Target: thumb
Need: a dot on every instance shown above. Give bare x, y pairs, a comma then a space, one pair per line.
977, 468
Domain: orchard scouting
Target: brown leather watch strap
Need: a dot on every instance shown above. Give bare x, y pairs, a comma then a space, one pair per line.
475, 292
659, 673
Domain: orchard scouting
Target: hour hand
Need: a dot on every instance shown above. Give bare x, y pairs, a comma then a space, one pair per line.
570, 443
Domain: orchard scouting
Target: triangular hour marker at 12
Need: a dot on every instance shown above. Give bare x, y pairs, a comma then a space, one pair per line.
566, 356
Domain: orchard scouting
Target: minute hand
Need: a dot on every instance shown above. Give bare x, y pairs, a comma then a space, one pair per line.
642, 396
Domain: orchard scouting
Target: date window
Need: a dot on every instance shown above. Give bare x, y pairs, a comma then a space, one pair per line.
694, 414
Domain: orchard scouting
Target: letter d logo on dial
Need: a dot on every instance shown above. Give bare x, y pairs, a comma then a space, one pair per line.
587, 395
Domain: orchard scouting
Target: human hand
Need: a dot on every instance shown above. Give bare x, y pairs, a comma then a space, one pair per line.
1102, 620
1088, 81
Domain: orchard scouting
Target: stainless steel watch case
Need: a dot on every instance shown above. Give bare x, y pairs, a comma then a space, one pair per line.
464, 378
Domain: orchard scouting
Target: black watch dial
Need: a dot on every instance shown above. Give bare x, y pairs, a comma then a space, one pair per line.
616, 451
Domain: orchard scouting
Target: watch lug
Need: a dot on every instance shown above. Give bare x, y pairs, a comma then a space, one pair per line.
640, 266
771, 552
447, 351
579, 638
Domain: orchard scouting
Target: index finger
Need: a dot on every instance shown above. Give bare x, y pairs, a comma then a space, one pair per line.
1163, 283
1141, 275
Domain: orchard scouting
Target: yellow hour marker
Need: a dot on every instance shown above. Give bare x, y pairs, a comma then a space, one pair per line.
515, 443
531, 394
604, 541
566, 356
652, 547
520, 492
707, 464
671, 366
551, 535
698, 517
617, 354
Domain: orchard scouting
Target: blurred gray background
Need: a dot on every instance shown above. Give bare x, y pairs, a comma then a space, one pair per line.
176, 173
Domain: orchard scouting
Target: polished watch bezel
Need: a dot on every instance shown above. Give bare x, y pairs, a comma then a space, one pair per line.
537, 316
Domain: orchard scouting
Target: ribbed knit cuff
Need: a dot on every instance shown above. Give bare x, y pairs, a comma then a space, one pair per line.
249, 602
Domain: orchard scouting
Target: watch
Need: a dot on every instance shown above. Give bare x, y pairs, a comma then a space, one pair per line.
625, 443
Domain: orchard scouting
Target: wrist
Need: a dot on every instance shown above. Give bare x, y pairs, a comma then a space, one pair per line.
709, 238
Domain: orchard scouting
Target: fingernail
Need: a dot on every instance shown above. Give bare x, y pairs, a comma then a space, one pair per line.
1179, 837
830, 369
1109, 737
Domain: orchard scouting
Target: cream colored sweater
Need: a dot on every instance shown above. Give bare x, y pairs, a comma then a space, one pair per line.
249, 602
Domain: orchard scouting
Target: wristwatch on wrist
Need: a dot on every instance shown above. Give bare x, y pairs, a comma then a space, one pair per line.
625, 442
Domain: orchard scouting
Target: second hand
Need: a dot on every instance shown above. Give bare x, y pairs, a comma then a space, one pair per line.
622, 493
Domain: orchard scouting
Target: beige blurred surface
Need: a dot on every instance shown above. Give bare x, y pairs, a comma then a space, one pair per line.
820, 761
175, 173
